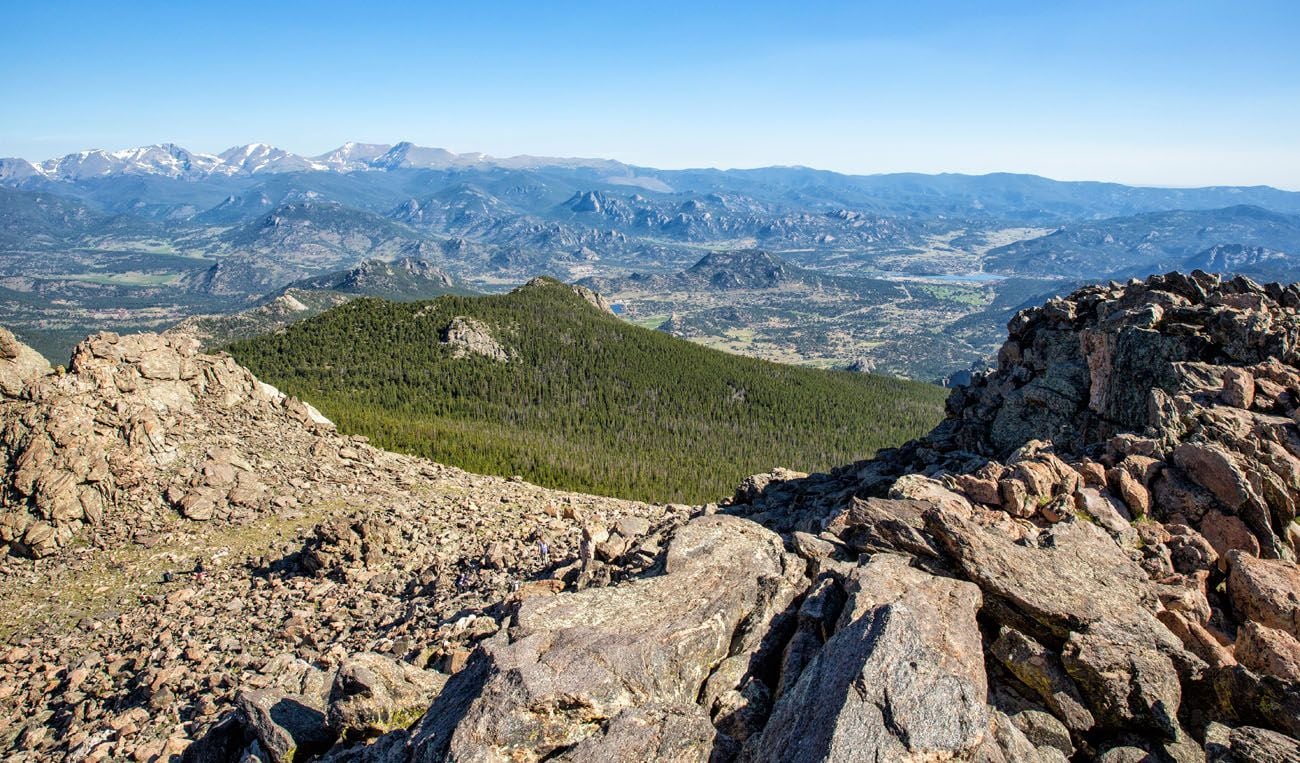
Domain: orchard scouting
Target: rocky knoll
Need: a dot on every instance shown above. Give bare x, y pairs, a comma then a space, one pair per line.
116, 432
1092, 558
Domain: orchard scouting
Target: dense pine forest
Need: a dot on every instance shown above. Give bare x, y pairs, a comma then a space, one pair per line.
585, 401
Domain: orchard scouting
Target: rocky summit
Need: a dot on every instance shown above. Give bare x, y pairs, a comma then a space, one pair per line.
1091, 558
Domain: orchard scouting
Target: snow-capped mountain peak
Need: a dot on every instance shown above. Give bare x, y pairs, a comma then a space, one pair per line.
15, 169
167, 160
260, 157
173, 161
407, 155
353, 156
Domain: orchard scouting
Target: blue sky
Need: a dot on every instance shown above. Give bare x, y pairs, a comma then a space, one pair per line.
1162, 93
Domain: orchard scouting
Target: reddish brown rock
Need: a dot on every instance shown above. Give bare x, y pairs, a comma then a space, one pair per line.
1265, 590
1189, 550
983, 491
1228, 533
19, 365
1269, 651
1198, 640
1130, 490
1015, 498
1238, 388
918, 488
1214, 468
1143, 468
1093, 473
1104, 509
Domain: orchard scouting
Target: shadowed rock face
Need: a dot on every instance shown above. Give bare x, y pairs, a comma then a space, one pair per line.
1090, 559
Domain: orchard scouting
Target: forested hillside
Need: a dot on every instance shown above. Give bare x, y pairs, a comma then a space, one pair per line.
576, 398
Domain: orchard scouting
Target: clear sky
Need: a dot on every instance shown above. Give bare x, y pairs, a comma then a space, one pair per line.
1163, 93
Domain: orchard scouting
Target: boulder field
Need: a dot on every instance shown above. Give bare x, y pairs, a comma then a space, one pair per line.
1091, 558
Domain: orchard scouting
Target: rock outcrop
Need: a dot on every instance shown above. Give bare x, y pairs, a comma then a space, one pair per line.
122, 430
468, 336
1091, 558
902, 678
20, 365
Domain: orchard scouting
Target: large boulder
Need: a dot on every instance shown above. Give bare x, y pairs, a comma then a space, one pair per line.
284, 725
1129, 682
882, 524
902, 679
1265, 591
20, 365
373, 694
1058, 580
575, 661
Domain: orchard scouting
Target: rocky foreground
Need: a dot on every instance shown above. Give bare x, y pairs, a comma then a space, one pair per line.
173, 532
1093, 557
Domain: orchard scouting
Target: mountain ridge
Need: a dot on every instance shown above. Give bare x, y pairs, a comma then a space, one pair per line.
1148, 242
171, 160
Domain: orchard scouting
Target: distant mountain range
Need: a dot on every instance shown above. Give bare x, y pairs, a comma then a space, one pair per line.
908, 194
1157, 242
744, 270
172, 161
871, 271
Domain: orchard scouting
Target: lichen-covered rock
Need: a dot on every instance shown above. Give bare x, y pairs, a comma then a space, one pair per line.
902, 679
1044, 730
374, 694
1256, 745
1041, 670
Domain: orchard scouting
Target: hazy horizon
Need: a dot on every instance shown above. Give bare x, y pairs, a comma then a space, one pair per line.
1164, 95
317, 153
